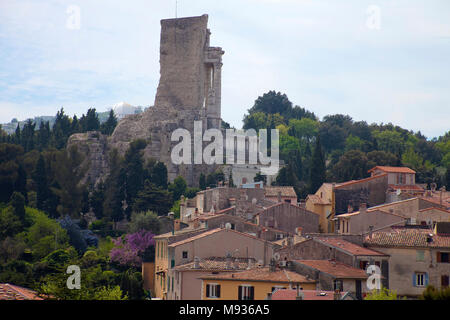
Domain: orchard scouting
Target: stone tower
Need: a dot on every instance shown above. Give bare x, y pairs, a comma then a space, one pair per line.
189, 90
190, 69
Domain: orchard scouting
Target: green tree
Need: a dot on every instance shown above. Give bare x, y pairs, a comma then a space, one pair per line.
62, 128
147, 221
68, 174
154, 199
134, 170
90, 122
351, 166
96, 199
110, 124
383, 294
318, 170
178, 188
115, 188
431, 293
159, 175
10, 160
18, 206
40, 179
202, 181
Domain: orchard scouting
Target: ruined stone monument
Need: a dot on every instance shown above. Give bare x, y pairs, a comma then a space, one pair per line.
189, 90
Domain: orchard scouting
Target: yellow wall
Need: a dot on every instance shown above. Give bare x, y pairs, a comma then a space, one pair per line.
229, 288
161, 264
148, 276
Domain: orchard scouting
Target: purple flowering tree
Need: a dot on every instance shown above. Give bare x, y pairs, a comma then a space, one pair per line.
131, 249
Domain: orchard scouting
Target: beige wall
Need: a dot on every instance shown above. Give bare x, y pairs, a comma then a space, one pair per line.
219, 244
404, 263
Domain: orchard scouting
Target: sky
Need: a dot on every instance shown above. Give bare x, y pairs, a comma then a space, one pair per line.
377, 61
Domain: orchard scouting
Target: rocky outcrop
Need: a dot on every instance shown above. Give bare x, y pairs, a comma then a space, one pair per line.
94, 147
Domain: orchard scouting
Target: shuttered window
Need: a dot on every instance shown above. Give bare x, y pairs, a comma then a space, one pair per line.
246, 293
213, 290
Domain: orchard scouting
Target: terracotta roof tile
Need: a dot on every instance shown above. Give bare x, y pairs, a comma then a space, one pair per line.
12, 292
285, 192
335, 268
345, 184
413, 238
216, 263
262, 274
350, 247
393, 169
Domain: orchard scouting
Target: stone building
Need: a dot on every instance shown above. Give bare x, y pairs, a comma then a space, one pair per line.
418, 257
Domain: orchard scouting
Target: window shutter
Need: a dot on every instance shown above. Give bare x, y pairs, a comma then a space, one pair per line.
207, 290
426, 279
218, 291
252, 293
438, 257
240, 293
414, 280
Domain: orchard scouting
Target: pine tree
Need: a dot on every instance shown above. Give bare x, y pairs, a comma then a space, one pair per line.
134, 170
110, 124
90, 122
317, 176
96, 200
43, 135
114, 188
61, 130
17, 135
159, 175
154, 199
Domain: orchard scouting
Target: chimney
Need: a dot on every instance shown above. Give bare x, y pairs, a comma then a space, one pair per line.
370, 232
228, 261
272, 266
279, 196
236, 263
337, 294
349, 208
363, 208
300, 294
250, 264
298, 231
269, 296
177, 225
196, 263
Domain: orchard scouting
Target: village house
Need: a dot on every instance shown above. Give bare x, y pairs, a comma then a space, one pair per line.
288, 217
215, 242
321, 295
254, 284
337, 249
280, 194
418, 257
332, 275
365, 221
321, 203
187, 283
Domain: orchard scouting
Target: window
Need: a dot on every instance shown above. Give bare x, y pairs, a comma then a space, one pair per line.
246, 293
420, 255
443, 257
185, 254
420, 279
444, 281
338, 285
213, 290
287, 200
277, 288
363, 264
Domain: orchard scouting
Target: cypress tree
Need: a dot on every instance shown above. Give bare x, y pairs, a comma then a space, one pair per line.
317, 176
159, 175
40, 179
202, 181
